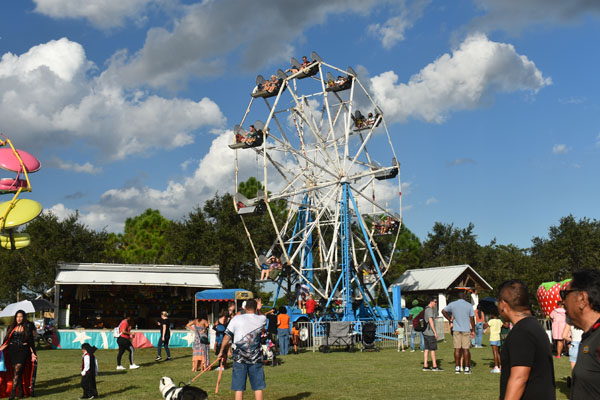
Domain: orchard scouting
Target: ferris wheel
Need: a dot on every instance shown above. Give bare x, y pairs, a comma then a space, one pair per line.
324, 149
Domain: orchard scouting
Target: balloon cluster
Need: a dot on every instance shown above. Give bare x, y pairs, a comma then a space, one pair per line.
16, 212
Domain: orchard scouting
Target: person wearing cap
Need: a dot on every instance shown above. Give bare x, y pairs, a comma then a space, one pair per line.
89, 371
414, 311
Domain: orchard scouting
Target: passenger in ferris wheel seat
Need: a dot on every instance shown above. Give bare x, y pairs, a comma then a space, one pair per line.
249, 137
305, 63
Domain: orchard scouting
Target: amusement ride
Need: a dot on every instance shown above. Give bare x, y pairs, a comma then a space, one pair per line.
317, 149
17, 211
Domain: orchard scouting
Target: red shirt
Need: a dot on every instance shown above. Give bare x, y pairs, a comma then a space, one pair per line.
124, 326
310, 306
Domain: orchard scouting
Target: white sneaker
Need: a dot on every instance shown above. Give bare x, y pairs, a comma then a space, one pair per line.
120, 367
495, 370
133, 366
457, 370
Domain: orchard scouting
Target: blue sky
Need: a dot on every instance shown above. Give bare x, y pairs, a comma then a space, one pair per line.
493, 106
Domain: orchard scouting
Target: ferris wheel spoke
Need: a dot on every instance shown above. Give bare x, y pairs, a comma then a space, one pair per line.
312, 129
304, 157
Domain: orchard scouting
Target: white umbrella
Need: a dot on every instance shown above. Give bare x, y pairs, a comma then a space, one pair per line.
29, 306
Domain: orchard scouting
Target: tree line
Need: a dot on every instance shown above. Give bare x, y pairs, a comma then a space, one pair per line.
214, 234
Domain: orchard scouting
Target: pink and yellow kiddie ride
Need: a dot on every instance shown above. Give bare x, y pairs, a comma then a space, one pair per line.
16, 212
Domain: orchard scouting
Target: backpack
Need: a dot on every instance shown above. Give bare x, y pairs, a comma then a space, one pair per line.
419, 323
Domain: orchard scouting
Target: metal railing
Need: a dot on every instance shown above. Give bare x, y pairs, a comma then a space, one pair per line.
314, 334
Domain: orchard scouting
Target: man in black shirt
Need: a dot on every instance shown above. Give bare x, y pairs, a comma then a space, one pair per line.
581, 297
527, 369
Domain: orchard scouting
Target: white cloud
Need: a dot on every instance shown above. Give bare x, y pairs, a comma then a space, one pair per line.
560, 149
431, 200
393, 30
573, 100
515, 15
209, 31
100, 13
461, 161
214, 173
465, 79
598, 140
406, 187
48, 97
87, 167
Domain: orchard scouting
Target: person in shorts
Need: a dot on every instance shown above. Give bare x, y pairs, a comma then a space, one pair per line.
495, 325
463, 325
430, 336
245, 332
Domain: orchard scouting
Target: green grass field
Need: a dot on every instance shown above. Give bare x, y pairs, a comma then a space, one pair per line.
339, 375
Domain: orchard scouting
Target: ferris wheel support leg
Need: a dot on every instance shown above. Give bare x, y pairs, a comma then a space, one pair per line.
345, 238
365, 234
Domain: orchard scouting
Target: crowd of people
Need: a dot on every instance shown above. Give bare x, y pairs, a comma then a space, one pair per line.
521, 352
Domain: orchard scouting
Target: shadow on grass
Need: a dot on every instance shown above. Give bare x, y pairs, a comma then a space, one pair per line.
41, 391
122, 390
299, 396
562, 386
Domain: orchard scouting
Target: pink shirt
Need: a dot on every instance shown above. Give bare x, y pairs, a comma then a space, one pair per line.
124, 326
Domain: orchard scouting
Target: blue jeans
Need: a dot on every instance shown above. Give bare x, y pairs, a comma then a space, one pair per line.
166, 344
412, 340
254, 372
477, 340
284, 340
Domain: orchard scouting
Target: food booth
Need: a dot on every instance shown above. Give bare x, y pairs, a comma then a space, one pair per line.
91, 299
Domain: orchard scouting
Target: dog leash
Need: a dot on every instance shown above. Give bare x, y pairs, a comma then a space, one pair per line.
207, 369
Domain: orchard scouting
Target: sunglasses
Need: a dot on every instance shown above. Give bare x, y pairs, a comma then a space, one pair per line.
564, 293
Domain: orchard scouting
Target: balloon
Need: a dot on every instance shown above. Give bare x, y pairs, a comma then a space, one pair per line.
548, 295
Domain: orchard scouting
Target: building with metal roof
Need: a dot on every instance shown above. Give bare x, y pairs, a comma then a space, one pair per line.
439, 281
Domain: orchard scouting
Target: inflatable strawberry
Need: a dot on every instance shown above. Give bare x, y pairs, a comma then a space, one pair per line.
548, 295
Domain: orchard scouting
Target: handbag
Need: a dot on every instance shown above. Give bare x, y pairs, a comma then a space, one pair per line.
204, 340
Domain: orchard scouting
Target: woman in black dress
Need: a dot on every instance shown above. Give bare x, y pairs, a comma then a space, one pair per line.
20, 350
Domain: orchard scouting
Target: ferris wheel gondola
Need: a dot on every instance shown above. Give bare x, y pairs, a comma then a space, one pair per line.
326, 170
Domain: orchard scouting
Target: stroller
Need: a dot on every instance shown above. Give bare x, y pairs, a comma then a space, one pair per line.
339, 333
368, 337
269, 350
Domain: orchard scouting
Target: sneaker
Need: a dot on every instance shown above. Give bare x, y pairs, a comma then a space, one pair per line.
467, 370
438, 369
495, 370
133, 366
457, 370
169, 358
158, 358
426, 369
412, 350
120, 367
461, 369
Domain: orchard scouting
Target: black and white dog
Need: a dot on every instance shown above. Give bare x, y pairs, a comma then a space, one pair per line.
171, 392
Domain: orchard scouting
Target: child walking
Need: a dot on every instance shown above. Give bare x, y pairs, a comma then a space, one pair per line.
89, 371
400, 333
295, 337
495, 325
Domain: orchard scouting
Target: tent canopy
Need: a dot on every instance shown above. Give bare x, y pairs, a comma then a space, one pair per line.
223, 295
135, 274
440, 279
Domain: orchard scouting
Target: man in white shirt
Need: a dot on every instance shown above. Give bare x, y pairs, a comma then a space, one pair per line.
245, 331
